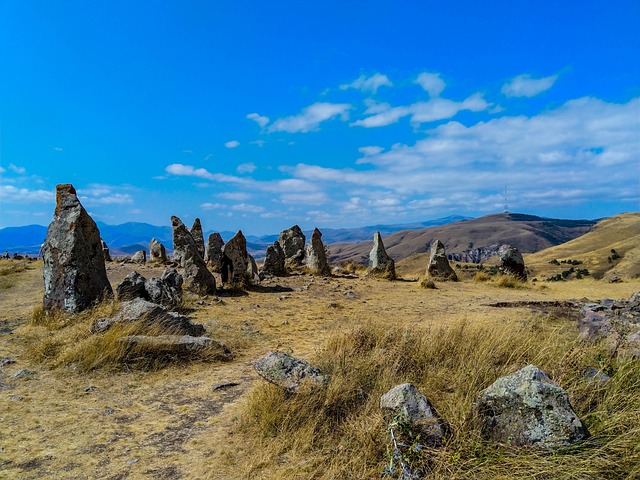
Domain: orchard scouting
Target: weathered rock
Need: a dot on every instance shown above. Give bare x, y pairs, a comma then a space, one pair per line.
615, 322
213, 252
133, 286
292, 242
198, 236
157, 252
105, 251
527, 408
166, 290
595, 376
252, 275
151, 315
74, 273
173, 344
288, 372
140, 257
197, 278
274, 261
317, 263
438, 266
235, 261
405, 399
511, 261
380, 264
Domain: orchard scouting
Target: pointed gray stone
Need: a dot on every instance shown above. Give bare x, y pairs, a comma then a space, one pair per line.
198, 236
439, 267
317, 263
274, 261
157, 252
292, 242
235, 261
380, 264
197, 278
213, 252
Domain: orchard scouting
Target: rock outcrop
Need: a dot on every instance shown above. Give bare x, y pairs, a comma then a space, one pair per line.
317, 263
274, 261
292, 242
380, 264
406, 400
198, 236
197, 278
288, 372
511, 261
527, 408
74, 273
235, 261
157, 252
438, 267
213, 252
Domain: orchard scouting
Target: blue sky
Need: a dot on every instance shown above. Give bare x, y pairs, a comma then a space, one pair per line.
258, 115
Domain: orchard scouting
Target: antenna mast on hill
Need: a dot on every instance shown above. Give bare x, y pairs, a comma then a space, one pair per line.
506, 205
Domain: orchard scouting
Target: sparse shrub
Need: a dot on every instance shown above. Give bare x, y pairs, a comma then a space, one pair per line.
482, 277
510, 281
614, 255
428, 283
555, 278
554, 262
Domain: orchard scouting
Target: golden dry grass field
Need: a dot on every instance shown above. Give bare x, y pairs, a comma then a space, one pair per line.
60, 421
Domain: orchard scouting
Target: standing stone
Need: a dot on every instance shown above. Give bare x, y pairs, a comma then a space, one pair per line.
157, 252
140, 257
105, 251
133, 286
235, 261
74, 273
292, 242
274, 261
406, 400
511, 261
213, 252
439, 267
197, 278
317, 263
380, 264
528, 408
252, 274
198, 236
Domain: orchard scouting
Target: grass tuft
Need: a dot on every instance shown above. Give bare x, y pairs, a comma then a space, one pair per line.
428, 283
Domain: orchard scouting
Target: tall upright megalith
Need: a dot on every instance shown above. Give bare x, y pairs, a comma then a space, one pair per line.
317, 263
380, 264
292, 242
198, 236
74, 273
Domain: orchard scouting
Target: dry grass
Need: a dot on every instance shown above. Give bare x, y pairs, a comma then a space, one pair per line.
340, 432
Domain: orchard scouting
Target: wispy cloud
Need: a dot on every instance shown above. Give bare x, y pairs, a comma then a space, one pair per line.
11, 194
527, 86
247, 207
246, 167
232, 144
259, 119
98, 194
431, 83
311, 117
16, 169
239, 196
368, 84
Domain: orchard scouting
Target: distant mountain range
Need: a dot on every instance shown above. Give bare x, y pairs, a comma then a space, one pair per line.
127, 238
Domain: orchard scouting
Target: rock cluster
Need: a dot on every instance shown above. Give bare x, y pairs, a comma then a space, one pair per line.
166, 290
380, 264
438, 267
511, 261
74, 273
198, 278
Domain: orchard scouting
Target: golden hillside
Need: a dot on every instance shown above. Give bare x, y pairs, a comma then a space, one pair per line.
620, 233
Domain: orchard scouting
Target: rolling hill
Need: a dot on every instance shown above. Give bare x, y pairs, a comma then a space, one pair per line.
472, 240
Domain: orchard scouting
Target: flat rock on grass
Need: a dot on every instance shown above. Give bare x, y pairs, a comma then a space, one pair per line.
288, 372
173, 344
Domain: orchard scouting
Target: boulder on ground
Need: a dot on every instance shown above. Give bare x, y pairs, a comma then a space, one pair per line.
140, 257
317, 263
133, 286
415, 408
289, 373
197, 278
74, 272
173, 344
152, 315
292, 242
166, 290
438, 266
213, 252
511, 261
274, 261
380, 264
157, 252
527, 408
198, 236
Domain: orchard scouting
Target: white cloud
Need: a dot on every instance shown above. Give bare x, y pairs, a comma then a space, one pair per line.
16, 169
179, 169
313, 198
527, 86
422, 112
259, 119
99, 194
431, 83
2, 170
11, 194
232, 144
239, 196
246, 168
247, 207
368, 84
58, 149
311, 117
212, 206
370, 150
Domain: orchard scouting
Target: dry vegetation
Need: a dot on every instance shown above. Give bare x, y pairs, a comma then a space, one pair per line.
89, 410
